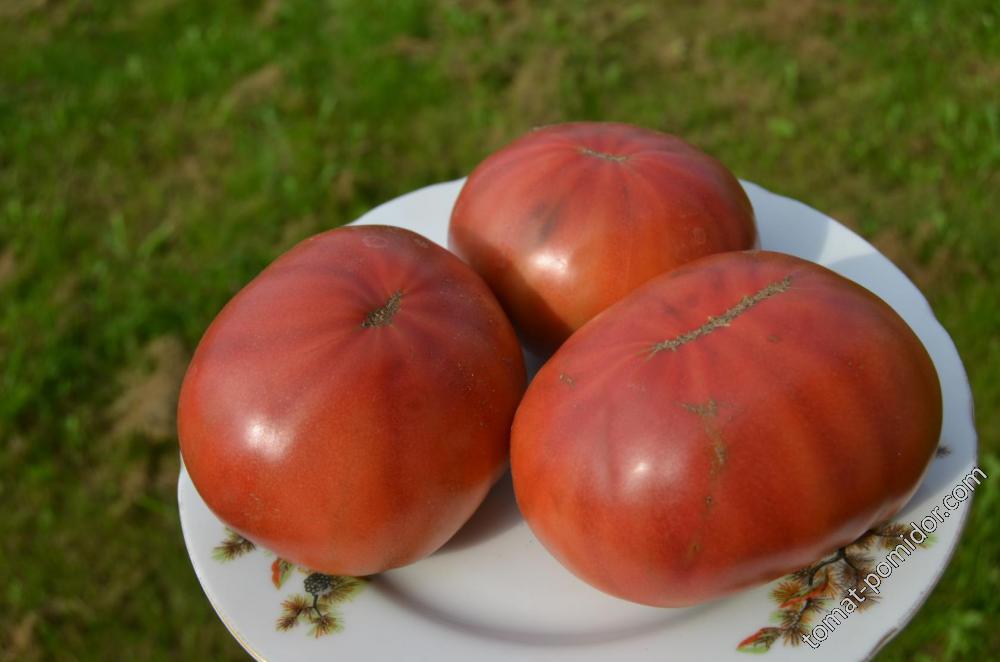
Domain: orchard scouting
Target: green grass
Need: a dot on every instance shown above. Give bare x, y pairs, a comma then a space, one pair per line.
155, 155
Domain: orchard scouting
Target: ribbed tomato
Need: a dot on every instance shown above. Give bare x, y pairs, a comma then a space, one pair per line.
725, 424
572, 217
350, 408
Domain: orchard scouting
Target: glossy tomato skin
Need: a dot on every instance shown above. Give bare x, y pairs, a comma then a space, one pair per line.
570, 218
350, 408
725, 424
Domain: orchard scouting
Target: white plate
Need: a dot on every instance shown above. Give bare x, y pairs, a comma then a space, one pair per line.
493, 593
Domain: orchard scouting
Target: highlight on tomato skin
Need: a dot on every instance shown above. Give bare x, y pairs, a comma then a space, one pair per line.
725, 424
350, 407
570, 218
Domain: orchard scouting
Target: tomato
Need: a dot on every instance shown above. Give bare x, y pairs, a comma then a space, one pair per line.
727, 423
350, 408
570, 218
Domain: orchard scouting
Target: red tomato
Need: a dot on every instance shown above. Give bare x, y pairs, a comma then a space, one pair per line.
570, 218
350, 408
725, 424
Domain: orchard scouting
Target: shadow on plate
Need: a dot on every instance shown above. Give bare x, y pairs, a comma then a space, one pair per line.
659, 618
497, 513
786, 225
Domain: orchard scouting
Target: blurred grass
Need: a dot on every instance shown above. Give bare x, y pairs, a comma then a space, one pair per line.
155, 155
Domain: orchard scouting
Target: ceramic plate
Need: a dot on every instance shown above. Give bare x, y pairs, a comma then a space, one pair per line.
493, 593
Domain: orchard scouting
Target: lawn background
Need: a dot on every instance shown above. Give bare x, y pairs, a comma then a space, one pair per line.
155, 155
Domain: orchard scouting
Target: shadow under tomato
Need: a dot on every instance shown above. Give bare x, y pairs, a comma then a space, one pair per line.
496, 514
654, 619
786, 225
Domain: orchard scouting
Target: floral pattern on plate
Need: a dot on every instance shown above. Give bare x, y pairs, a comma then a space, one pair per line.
316, 607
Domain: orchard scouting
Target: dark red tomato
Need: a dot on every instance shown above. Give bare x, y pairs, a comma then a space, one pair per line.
570, 218
350, 408
725, 424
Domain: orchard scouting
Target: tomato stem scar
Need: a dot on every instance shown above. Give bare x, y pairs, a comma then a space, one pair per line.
604, 155
709, 413
726, 318
382, 316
